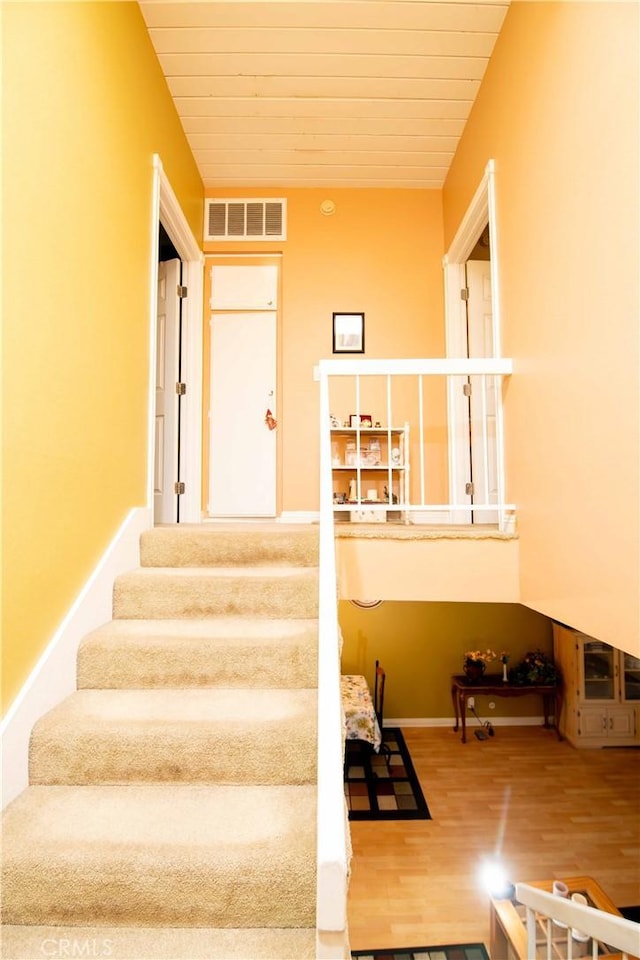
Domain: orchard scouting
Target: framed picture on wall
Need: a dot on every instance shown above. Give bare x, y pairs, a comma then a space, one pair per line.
348, 332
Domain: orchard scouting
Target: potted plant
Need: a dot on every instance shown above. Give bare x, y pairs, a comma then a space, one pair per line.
537, 668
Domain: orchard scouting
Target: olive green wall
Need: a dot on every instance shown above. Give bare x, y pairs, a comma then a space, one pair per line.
421, 645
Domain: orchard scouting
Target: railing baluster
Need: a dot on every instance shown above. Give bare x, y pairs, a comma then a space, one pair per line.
358, 474
389, 425
421, 438
485, 440
531, 932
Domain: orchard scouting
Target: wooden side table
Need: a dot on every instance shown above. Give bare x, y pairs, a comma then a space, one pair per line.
508, 933
462, 688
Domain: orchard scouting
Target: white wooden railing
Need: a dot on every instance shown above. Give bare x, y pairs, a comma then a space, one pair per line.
484, 378
600, 927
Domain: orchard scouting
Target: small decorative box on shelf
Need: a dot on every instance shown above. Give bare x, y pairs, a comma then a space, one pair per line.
367, 516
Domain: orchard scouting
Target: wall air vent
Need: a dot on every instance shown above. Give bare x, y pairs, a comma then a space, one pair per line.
236, 219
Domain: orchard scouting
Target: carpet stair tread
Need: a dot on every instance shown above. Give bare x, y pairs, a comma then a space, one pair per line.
225, 651
227, 544
167, 855
161, 943
176, 592
199, 736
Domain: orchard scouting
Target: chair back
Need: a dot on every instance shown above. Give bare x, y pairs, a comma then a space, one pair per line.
378, 692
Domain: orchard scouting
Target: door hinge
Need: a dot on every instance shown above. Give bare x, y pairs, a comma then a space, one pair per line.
466, 389
468, 489
464, 293
182, 292
181, 389
178, 487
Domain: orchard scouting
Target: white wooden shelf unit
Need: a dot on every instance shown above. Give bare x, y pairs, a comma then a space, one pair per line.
370, 471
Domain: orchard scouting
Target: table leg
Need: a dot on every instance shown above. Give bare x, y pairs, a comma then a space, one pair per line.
545, 705
454, 697
558, 709
463, 714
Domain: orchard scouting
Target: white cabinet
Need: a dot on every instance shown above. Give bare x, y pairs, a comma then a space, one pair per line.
370, 471
602, 690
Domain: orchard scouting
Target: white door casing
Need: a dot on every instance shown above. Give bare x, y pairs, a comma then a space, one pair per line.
242, 447
165, 208
481, 210
165, 501
482, 401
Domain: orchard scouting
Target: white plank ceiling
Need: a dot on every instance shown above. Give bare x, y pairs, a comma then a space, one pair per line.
321, 93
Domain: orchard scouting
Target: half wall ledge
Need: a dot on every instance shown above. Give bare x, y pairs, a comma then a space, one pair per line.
389, 531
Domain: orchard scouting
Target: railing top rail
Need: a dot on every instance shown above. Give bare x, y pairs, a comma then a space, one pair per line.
615, 931
447, 366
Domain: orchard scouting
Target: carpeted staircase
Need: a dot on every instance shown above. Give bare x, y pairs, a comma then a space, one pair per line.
171, 811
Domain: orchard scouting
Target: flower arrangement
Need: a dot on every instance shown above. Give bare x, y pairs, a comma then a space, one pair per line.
536, 667
479, 656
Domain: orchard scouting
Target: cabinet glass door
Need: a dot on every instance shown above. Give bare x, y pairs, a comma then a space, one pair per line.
598, 670
631, 677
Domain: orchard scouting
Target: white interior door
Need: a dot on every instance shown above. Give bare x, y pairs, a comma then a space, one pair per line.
242, 449
482, 399
165, 500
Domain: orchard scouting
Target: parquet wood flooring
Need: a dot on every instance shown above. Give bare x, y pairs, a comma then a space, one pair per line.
547, 809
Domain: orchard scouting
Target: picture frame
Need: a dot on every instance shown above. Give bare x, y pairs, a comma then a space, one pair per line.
360, 420
348, 332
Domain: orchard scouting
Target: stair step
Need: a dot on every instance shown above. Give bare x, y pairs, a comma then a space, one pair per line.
171, 736
230, 544
158, 855
158, 943
173, 593
227, 651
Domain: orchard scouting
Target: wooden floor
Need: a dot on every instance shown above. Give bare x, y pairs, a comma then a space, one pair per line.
547, 809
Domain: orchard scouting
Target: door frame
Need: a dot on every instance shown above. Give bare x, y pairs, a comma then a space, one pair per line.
481, 210
167, 210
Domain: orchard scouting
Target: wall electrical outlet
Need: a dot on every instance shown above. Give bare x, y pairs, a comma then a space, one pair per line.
471, 703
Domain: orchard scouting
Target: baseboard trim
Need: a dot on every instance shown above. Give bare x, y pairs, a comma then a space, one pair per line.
433, 517
298, 516
470, 721
54, 676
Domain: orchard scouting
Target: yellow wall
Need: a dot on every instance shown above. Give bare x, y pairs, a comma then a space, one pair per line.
381, 253
421, 645
558, 110
85, 106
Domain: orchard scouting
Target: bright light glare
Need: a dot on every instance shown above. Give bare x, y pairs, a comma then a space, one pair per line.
493, 878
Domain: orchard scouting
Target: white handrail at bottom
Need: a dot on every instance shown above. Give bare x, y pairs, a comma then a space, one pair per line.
616, 932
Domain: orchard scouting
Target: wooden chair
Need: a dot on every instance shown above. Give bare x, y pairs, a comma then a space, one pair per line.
378, 703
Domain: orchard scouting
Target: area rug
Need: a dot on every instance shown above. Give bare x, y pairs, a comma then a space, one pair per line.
460, 951
384, 785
